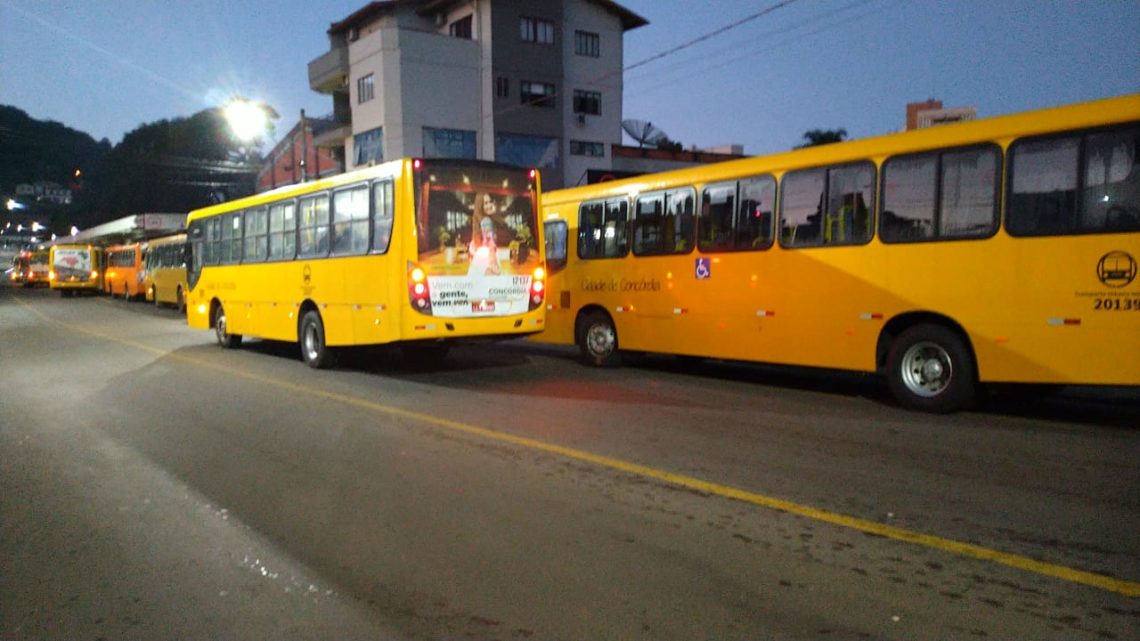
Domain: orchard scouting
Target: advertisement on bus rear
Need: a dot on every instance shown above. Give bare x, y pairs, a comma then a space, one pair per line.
72, 264
477, 246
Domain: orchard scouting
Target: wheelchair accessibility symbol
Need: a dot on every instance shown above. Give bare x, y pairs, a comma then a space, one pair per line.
703, 270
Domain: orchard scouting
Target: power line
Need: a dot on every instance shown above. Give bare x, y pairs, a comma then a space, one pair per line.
668, 52
699, 39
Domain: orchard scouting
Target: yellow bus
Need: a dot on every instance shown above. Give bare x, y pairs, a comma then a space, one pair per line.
164, 271
419, 252
32, 268
75, 268
998, 250
124, 270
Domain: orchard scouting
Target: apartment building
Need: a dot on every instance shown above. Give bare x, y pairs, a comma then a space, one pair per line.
526, 82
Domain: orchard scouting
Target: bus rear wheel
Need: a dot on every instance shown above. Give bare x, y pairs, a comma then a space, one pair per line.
314, 351
598, 341
929, 368
225, 339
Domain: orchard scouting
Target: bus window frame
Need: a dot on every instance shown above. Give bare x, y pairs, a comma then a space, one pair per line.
937, 153
246, 236
285, 232
298, 254
555, 265
824, 208
604, 202
666, 196
1082, 135
734, 183
367, 189
389, 185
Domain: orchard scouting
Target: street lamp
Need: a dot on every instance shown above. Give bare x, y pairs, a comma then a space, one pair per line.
248, 120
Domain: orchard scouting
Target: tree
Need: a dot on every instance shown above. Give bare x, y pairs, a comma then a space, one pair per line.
822, 137
178, 165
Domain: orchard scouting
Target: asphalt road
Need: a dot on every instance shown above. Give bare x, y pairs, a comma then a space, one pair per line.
154, 485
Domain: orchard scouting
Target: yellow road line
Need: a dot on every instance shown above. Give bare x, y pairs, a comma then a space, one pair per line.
1072, 575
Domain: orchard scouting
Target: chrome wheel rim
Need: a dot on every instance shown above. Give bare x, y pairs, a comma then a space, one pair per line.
311, 352
600, 340
927, 369
220, 326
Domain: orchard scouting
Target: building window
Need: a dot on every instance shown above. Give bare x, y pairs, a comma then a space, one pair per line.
502, 87
537, 94
536, 30
460, 28
368, 146
526, 151
587, 102
365, 90
587, 44
449, 143
584, 148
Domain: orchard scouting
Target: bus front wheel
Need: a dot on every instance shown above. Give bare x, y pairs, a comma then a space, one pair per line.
597, 340
314, 351
225, 338
930, 368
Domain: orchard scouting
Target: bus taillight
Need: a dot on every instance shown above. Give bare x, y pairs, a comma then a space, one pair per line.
537, 288
418, 291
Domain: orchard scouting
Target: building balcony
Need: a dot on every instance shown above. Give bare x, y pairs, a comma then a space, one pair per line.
329, 72
332, 137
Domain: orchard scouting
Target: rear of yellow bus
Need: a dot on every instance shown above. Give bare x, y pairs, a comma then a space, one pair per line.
75, 268
476, 263
38, 268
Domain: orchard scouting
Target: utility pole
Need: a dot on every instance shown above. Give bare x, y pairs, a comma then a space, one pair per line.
304, 148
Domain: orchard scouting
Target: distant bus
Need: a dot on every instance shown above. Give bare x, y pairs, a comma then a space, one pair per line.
32, 268
164, 271
419, 252
124, 271
75, 268
998, 250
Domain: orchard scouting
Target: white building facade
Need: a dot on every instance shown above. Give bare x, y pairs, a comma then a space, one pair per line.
525, 82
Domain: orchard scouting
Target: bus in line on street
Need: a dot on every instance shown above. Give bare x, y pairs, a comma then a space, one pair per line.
123, 272
416, 252
1001, 250
31, 267
75, 269
164, 271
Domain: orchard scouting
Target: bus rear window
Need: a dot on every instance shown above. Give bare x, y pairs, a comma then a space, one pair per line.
465, 206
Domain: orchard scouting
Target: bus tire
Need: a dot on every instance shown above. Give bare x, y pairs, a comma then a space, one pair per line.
314, 351
154, 290
598, 340
930, 368
225, 339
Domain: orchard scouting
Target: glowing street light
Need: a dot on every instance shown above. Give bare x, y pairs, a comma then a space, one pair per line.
248, 120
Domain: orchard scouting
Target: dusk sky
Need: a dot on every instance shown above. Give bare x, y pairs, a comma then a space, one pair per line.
107, 67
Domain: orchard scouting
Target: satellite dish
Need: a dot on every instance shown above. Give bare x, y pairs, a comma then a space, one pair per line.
644, 132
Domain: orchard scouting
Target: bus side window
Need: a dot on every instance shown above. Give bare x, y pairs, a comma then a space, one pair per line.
1043, 188
382, 216
556, 255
